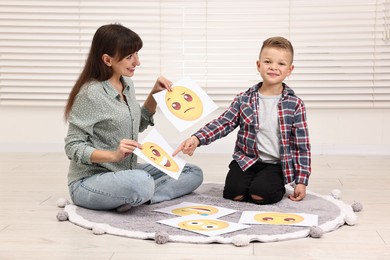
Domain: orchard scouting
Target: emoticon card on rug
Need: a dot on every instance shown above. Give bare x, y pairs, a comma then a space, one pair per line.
203, 225
189, 208
156, 151
279, 218
186, 104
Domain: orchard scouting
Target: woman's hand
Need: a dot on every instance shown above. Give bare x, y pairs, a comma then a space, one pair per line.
162, 83
125, 148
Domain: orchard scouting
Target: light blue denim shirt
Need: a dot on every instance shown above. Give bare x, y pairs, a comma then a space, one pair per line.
99, 120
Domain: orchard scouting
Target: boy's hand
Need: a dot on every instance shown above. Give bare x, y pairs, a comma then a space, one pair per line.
299, 193
188, 146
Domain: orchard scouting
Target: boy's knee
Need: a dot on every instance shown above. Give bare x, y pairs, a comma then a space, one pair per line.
257, 199
269, 198
266, 194
232, 193
239, 198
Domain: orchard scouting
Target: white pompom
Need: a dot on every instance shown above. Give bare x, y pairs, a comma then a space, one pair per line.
241, 240
336, 194
351, 219
61, 202
98, 230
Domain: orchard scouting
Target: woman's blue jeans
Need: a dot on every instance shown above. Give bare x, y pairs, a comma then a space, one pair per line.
145, 183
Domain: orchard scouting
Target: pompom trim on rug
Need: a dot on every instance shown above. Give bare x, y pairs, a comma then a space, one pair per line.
211, 194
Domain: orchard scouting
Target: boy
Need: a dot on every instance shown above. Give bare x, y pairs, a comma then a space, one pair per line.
272, 146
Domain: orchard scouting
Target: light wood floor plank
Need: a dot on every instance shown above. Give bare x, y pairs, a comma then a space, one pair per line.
31, 183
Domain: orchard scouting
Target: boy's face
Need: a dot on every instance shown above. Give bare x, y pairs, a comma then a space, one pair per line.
274, 65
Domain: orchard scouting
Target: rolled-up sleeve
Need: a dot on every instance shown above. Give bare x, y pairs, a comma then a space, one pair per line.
220, 127
81, 122
147, 119
77, 147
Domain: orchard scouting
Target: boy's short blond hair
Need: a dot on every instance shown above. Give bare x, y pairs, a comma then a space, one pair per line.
280, 43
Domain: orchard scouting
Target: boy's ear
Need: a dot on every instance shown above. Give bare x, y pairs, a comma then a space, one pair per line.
258, 65
291, 69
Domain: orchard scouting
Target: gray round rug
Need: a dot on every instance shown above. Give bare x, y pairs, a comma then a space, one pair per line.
140, 222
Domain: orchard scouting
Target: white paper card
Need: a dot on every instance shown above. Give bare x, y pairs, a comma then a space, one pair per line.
279, 218
203, 225
156, 151
189, 208
186, 104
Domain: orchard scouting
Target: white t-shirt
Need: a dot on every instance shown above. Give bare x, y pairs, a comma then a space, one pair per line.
268, 138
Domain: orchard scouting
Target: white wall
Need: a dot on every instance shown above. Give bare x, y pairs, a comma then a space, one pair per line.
332, 131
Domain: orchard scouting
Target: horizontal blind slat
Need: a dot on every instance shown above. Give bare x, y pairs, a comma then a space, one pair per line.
341, 59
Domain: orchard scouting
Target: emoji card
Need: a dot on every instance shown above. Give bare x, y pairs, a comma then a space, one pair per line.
185, 105
189, 208
156, 151
203, 225
279, 218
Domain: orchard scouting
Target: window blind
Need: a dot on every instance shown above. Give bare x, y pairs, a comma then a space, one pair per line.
342, 48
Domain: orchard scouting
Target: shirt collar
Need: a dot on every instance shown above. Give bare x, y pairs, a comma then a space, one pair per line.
111, 91
286, 89
126, 87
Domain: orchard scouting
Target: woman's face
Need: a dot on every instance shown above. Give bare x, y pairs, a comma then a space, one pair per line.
126, 66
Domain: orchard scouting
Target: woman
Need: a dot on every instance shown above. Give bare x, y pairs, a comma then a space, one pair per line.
104, 121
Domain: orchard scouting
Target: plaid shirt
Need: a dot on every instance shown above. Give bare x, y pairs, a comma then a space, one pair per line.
295, 155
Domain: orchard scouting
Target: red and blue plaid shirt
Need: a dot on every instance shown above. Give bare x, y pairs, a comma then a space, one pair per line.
295, 155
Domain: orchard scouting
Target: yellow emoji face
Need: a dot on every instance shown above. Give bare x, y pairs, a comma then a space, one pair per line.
278, 218
203, 224
156, 154
198, 209
184, 103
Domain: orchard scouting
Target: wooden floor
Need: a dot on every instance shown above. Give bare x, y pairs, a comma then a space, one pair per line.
30, 185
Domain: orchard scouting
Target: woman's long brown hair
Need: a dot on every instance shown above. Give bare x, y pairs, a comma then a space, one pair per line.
113, 39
